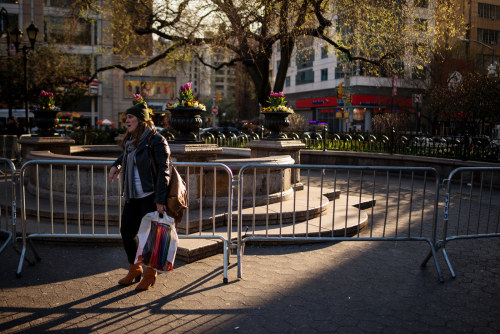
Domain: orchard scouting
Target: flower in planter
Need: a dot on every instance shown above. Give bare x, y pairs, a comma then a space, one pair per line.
277, 103
137, 99
186, 99
45, 101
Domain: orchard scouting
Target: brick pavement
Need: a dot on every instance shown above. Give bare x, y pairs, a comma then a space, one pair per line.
345, 287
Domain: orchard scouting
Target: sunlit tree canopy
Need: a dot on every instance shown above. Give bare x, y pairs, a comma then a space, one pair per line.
381, 34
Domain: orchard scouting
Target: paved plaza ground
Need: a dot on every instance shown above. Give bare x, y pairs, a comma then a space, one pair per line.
344, 287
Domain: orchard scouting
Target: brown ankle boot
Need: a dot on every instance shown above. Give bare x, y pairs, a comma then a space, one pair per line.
147, 281
134, 275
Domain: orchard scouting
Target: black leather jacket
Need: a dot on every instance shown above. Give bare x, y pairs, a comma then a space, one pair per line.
161, 153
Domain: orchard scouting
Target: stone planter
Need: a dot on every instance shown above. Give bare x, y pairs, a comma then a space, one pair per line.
187, 122
276, 122
45, 121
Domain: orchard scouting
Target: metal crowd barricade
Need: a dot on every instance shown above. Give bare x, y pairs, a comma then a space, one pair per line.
9, 147
337, 203
64, 199
210, 187
8, 202
472, 206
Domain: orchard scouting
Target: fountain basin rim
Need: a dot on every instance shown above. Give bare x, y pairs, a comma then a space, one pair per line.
236, 164
47, 155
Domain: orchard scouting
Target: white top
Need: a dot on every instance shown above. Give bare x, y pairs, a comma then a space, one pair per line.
138, 186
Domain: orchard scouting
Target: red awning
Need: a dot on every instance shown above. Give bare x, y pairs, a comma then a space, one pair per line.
357, 100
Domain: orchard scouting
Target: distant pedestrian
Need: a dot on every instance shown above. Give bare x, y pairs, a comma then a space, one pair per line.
144, 192
13, 127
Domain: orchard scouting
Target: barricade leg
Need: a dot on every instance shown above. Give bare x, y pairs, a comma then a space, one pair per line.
21, 261
23, 256
448, 263
239, 255
9, 238
33, 249
433, 253
226, 261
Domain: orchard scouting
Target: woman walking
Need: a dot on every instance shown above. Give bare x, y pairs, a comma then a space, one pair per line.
144, 192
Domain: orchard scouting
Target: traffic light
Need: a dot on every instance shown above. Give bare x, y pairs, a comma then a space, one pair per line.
340, 92
349, 98
219, 96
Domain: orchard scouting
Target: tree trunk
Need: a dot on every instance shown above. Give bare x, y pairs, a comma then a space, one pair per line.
259, 72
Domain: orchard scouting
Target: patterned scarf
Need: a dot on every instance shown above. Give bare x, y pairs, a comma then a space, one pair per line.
128, 168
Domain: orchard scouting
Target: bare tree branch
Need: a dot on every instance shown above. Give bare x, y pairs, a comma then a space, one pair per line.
232, 62
145, 64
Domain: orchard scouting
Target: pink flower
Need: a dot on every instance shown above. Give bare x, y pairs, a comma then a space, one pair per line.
46, 94
137, 98
186, 87
277, 94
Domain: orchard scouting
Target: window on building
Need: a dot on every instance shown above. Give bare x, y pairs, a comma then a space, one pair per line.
338, 72
13, 20
324, 52
58, 3
305, 42
278, 46
422, 3
485, 60
287, 81
278, 65
304, 77
219, 79
488, 11
67, 30
84, 63
488, 36
324, 74
304, 58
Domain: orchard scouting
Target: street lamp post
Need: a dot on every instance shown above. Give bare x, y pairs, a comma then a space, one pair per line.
4, 29
494, 66
17, 35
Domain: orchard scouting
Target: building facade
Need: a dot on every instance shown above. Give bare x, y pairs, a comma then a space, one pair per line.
324, 89
482, 31
96, 43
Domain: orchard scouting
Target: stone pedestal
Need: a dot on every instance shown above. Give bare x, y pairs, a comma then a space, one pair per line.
57, 145
266, 148
194, 152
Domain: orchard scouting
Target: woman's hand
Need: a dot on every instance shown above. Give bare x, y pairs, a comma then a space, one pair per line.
113, 172
160, 208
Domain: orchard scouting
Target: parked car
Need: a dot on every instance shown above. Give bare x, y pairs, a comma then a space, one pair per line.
481, 141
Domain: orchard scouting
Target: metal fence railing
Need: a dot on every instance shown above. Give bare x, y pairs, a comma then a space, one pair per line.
8, 202
9, 147
338, 203
472, 206
473, 148
73, 199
